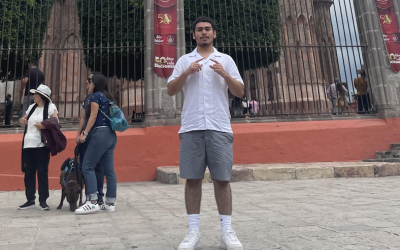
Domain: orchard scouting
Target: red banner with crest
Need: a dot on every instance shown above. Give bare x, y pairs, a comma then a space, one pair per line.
390, 30
165, 29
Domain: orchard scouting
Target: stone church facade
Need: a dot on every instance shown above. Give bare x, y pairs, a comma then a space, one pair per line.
295, 83
307, 65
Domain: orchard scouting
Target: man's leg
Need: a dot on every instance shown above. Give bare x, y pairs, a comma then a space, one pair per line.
219, 152
7, 119
223, 196
335, 109
192, 165
28, 100
365, 102
193, 200
24, 106
360, 104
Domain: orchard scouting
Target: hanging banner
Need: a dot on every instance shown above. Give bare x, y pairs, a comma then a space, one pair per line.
390, 30
165, 29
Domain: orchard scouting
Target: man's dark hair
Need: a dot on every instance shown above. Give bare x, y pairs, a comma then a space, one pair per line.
34, 62
203, 19
9, 95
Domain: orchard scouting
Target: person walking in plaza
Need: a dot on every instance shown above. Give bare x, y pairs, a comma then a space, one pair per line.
100, 149
205, 75
342, 102
254, 107
33, 78
35, 156
332, 95
85, 112
8, 111
363, 100
245, 106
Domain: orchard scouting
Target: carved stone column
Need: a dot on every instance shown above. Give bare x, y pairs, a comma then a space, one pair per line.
384, 83
161, 109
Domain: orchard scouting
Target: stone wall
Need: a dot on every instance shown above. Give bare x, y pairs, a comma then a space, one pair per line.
385, 84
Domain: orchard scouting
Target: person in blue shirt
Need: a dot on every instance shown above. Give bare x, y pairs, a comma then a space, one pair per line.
100, 149
85, 113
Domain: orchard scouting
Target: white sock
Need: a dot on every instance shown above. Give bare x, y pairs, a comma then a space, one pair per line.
226, 221
194, 221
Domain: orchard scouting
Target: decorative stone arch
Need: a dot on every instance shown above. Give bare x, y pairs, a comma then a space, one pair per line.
302, 18
290, 30
302, 23
71, 34
48, 40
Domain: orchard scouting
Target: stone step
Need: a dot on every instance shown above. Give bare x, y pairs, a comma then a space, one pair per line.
387, 154
395, 146
383, 160
293, 171
383, 154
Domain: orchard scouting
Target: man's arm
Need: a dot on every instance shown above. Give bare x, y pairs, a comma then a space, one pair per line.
236, 87
176, 85
24, 82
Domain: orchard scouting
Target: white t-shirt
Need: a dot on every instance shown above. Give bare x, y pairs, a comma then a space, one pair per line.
33, 137
244, 104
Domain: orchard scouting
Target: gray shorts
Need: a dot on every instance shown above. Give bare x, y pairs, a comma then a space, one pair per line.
206, 148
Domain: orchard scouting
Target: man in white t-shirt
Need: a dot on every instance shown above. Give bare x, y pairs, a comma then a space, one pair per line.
205, 75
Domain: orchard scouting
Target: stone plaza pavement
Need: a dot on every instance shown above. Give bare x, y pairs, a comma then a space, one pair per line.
334, 213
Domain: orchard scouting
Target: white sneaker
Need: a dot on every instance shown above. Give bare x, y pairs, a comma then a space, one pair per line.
191, 241
230, 241
107, 208
88, 208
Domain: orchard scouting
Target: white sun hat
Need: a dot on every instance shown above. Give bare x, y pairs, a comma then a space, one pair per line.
43, 90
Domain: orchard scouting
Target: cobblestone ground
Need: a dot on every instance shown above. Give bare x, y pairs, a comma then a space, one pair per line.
310, 214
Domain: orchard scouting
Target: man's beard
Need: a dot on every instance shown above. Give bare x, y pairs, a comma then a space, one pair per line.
204, 44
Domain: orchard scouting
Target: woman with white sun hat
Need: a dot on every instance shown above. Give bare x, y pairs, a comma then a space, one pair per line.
35, 156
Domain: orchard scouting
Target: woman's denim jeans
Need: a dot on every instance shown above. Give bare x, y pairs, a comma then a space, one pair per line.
98, 170
100, 150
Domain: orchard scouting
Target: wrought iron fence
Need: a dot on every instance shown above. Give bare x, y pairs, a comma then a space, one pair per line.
289, 53
71, 39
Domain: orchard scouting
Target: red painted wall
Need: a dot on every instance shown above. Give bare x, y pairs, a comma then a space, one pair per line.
140, 151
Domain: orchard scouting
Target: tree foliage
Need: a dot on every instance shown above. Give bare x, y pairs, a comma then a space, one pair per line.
118, 25
23, 25
247, 30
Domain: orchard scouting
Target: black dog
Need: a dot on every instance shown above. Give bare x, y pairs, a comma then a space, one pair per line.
71, 181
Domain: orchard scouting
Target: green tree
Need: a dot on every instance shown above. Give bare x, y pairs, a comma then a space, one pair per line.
247, 30
119, 25
23, 28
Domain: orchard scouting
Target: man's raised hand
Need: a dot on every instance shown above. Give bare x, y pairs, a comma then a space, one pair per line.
195, 66
218, 68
